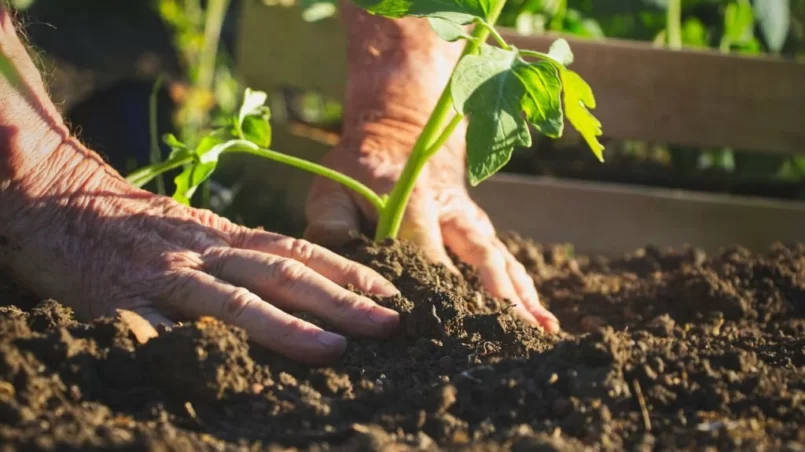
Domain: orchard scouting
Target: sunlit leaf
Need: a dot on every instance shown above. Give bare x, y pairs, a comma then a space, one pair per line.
486, 88
178, 149
207, 154
739, 21
542, 102
188, 181
459, 11
578, 97
448, 30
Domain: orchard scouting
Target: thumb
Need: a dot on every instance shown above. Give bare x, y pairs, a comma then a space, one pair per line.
332, 216
421, 227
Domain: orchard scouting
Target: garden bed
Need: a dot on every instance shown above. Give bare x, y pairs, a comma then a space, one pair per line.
663, 349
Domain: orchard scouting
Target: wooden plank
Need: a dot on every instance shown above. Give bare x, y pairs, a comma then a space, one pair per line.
698, 98
277, 49
606, 219
598, 218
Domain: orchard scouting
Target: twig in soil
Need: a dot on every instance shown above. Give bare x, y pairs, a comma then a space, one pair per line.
468, 373
643, 409
190, 410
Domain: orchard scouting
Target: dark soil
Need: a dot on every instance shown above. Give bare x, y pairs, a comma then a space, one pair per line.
662, 350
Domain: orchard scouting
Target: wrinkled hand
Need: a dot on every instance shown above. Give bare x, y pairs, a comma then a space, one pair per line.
99, 245
440, 213
397, 69
73, 229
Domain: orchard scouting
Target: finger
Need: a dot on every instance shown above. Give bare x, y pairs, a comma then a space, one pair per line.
336, 268
198, 294
421, 227
471, 236
524, 286
292, 286
332, 216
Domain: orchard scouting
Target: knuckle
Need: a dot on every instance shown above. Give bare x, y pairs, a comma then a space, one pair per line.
215, 260
287, 272
176, 259
482, 252
239, 236
301, 250
175, 287
237, 303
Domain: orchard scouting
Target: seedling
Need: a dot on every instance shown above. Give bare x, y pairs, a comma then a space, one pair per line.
500, 88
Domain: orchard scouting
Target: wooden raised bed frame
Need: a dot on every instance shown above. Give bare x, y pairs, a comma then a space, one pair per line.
698, 98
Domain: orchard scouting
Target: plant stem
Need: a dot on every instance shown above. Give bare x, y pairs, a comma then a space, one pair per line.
446, 133
145, 175
250, 148
542, 56
156, 155
390, 218
216, 11
495, 35
674, 24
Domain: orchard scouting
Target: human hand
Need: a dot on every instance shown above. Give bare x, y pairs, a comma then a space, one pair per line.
71, 228
440, 213
397, 70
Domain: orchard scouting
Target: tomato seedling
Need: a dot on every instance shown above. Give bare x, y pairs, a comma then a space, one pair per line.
501, 89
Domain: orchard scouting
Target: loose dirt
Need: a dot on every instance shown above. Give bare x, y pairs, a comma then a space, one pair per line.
661, 350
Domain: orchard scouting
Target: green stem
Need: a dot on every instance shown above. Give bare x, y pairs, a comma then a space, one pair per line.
674, 24
156, 155
250, 148
494, 33
558, 19
145, 175
542, 56
446, 133
391, 217
216, 11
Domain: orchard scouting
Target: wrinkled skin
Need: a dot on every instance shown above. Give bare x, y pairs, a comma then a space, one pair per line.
74, 229
397, 71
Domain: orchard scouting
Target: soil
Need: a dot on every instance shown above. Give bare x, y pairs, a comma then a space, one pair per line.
662, 349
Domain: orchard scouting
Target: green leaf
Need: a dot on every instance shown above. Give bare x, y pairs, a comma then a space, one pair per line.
253, 105
459, 11
257, 130
207, 154
447, 29
739, 21
486, 88
253, 102
578, 97
178, 149
542, 102
188, 181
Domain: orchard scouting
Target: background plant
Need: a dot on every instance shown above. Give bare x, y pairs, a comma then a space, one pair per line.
501, 89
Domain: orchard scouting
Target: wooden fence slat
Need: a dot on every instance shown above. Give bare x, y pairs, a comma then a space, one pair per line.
698, 98
604, 219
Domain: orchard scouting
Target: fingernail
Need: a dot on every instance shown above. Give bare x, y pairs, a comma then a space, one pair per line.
328, 339
385, 317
